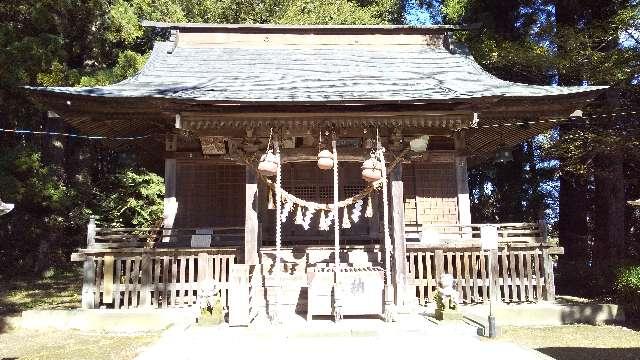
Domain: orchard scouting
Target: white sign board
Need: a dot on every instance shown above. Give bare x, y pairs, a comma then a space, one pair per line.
488, 237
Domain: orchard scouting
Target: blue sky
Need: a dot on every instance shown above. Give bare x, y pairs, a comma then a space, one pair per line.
414, 15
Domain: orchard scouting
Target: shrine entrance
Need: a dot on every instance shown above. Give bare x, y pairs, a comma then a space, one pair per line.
306, 181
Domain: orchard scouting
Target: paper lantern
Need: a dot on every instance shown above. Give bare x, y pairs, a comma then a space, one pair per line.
371, 170
325, 159
268, 165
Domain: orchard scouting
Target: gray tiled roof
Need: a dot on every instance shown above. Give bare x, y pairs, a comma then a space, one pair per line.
319, 74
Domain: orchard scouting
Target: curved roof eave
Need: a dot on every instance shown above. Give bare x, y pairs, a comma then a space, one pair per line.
222, 75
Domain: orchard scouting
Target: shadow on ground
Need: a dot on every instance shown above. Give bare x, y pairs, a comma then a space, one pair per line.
581, 353
58, 290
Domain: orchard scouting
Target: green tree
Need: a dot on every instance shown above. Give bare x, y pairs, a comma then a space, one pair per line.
567, 42
57, 182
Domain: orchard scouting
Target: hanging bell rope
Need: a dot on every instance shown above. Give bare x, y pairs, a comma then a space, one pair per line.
278, 260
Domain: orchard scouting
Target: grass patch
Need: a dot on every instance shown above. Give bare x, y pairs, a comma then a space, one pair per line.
57, 289
72, 345
578, 342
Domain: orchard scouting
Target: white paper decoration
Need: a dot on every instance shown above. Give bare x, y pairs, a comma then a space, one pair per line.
357, 211
286, 209
306, 223
345, 219
299, 219
369, 212
322, 225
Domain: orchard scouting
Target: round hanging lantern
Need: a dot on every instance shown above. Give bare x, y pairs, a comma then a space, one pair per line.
371, 170
268, 165
419, 144
325, 159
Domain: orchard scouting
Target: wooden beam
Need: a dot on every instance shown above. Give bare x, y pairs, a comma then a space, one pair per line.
251, 245
399, 249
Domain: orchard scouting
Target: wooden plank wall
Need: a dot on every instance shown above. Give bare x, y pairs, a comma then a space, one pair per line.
523, 274
158, 281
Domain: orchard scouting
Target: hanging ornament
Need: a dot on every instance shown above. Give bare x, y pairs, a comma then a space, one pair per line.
371, 169
307, 218
369, 212
325, 159
286, 209
299, 219
271, 205
345, 219
268, 165
332, 218
322, 225
357, 211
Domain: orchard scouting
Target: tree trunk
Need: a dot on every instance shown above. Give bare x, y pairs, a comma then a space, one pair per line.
510, 187
573, 231
608, 248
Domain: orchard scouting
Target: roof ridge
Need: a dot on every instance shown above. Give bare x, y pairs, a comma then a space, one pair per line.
290, 28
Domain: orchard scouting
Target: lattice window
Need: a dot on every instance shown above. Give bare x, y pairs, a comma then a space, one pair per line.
325, 193
209, 194
305, 192
351, 190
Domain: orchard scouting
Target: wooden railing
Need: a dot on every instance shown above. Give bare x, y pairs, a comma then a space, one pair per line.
529, 233
160, 278
160, 268
520, 272
113, 238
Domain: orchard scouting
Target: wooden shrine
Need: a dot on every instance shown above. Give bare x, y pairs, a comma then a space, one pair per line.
245, 118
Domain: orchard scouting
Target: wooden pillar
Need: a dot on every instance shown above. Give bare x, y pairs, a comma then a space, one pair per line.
88, 283
549, 281
399, 246
439, 260
251, 227
239, 295
462, 182
91, 232
170, 202
146, 279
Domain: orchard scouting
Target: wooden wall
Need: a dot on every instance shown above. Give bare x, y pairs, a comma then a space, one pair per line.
430, 192
209, 194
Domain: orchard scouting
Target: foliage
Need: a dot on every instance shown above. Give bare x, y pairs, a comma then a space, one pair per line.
43, 205
337, 12
128, 64
134, 198
628, 290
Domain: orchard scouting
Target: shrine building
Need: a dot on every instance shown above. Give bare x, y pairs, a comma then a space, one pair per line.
313, 170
